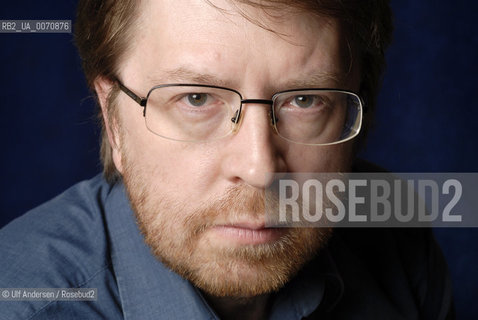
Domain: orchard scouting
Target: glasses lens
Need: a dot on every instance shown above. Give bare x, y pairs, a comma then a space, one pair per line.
317, 116
191, 113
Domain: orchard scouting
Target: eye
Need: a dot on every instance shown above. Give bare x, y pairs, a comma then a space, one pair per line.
305, 101
197, 99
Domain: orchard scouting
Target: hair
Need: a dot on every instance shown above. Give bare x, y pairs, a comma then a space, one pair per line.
104, 29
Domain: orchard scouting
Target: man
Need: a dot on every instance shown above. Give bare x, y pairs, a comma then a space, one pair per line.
200, 101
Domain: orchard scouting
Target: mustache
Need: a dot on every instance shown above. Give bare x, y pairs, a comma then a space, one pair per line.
239, 203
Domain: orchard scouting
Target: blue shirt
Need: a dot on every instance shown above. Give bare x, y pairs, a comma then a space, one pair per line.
88, 238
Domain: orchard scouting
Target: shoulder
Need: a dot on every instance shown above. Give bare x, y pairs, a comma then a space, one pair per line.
404, 265
60, 244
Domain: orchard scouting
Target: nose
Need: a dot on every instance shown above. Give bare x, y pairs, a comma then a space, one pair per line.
254, 152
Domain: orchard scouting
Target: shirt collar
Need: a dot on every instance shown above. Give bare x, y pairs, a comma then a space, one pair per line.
149, 290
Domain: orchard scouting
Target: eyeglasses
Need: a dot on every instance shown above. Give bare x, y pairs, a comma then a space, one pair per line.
199, 113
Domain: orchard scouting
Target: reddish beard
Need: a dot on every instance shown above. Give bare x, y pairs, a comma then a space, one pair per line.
179, 237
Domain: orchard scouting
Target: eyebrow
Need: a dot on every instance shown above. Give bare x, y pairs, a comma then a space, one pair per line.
185, 75
316, 80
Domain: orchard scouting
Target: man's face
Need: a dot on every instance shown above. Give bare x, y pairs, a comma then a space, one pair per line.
201, 205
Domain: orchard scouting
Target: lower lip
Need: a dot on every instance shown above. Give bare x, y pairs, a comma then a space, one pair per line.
241, 235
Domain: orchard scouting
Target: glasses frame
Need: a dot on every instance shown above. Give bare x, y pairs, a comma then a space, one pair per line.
143, 101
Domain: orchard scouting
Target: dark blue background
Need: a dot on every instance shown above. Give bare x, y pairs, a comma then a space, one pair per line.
426, 121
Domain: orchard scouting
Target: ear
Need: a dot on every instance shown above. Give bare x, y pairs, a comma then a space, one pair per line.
103, 88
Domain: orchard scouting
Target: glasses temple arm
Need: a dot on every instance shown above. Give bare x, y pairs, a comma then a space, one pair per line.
131, 94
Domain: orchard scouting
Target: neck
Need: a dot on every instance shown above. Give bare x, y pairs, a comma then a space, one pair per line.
228, 308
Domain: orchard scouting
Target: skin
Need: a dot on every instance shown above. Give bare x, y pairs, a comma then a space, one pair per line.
196, 37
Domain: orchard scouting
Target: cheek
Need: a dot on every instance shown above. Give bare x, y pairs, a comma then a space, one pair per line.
174, 169
336, 158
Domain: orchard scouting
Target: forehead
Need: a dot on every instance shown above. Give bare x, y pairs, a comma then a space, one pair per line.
236, 44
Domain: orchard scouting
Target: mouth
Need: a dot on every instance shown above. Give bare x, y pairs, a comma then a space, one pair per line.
246, 233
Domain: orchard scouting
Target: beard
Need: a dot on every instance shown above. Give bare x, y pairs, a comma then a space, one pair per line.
178, 234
